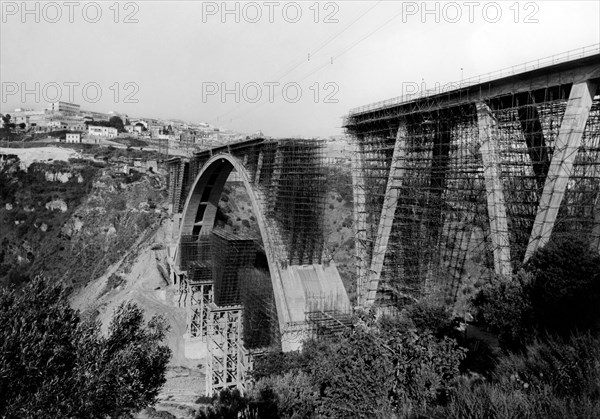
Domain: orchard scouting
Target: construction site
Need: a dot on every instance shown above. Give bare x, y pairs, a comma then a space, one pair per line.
238, 305
450, 189
459, 186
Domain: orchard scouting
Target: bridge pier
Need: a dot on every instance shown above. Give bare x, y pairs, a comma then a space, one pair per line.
475, 193
488, 139
561, 167
388, 211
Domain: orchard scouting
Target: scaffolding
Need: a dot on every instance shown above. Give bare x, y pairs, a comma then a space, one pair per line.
228, 362
200, 290
290, 181
453, 187
231, 302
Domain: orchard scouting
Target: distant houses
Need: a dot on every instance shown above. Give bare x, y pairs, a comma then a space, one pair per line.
73, 137
67, 122
100, 131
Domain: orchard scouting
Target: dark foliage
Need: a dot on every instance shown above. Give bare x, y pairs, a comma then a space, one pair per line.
558, 292
565, 287
53, 364
554, 378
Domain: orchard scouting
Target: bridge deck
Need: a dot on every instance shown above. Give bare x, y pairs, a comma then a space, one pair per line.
457, 186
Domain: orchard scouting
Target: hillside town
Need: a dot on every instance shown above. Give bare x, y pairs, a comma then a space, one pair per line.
67, 122
64, 122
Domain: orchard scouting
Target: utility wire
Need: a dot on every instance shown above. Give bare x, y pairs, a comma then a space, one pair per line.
339, 54
319, 48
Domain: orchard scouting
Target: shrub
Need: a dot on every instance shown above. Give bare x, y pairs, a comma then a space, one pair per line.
53, 364
373, 372
571, 367
353, 377
565, 287
278, 363
227, 404
433, 317
119, 203
553, 379
287, 396
504, 307
557, 292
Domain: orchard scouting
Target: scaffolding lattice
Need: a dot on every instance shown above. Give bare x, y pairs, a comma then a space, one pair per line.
228, 361
458, 185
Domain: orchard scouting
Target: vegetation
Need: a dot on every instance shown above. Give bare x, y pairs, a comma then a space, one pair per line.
114, 122
556, 293
339, 179
8, 127
376, 369
94, 227
419, 364
54, 364
27, 194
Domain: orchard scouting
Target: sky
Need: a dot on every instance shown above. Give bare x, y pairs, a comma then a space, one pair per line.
285, 68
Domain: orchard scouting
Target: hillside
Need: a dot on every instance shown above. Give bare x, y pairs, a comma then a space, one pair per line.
71, 220
90, 223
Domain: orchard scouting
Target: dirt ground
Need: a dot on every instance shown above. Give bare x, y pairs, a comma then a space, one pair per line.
30, 155
145, 286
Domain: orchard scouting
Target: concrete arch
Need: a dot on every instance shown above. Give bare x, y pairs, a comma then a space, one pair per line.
198, 218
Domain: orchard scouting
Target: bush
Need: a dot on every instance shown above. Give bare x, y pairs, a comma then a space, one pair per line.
557, 292
279, 363
53, 364
505, 308
228, 404
571, 367
553, 379
287, 396
565, 287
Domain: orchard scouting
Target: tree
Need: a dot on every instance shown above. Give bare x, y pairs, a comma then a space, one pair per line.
54, 364
8, 126
565, 287
6, 120
557, 292
139, 124
116, 122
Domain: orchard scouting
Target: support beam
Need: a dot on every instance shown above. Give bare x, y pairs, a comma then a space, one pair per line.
390, 202
490, 156
565, 150
258, 168
360, 222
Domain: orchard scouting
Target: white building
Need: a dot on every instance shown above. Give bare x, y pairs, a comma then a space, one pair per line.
65, 107
73, 137
102, 131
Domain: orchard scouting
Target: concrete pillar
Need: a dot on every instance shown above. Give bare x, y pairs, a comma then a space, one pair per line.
360, 222
565, 151
488, 134
258, 168
390, 202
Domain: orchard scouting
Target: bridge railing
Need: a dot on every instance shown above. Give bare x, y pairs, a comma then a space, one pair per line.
563, 57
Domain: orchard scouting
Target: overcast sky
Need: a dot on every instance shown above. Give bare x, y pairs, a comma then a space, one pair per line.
173, 60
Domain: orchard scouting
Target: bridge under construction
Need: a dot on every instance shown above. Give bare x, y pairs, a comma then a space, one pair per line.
452, 187
236, 307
